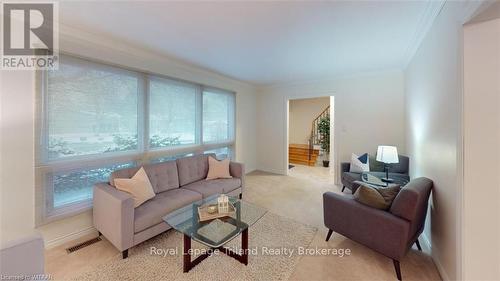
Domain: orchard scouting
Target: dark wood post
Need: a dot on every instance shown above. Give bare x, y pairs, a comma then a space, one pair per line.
244, 246
187, 254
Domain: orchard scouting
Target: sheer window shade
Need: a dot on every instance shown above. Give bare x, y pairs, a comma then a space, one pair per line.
91, 109
218, 116
173, 110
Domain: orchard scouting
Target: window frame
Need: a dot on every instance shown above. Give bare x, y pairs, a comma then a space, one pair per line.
46, 168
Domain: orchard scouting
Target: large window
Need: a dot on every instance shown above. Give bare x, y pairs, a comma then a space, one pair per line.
218, 115
95, 118
172, 113
90, 109
73, 187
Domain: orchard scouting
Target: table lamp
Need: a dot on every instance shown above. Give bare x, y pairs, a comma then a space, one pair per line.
387, 155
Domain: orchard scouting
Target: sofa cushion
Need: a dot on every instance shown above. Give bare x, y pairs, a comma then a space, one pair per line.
211, 187
192, 168
163, 176
152, 212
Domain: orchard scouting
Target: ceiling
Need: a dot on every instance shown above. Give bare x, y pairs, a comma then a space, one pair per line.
263, 42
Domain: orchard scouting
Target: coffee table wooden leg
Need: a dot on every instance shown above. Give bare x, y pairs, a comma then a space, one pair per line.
187, 253
188, 264
244, 247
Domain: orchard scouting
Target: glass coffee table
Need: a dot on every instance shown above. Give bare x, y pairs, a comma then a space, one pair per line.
378, 181
214, 233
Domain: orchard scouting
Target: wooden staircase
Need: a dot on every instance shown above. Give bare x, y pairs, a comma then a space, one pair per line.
299, 154
307, 154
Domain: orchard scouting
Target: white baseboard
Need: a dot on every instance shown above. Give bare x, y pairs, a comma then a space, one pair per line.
70, 237
427, 247
249, 171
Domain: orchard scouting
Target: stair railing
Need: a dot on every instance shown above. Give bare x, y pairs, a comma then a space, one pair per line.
314, 138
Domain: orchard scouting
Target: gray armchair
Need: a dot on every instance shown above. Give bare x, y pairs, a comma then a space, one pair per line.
398, 171
392, 232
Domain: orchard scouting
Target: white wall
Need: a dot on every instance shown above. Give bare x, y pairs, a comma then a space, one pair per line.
17, 131
17, 153
481, 222
433, 105
301, 114
369, 110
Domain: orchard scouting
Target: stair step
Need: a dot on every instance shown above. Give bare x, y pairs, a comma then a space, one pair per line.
303, 162
303, 152
299, 154
302, 158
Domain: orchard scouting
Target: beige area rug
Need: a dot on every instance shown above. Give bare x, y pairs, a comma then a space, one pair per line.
271, 232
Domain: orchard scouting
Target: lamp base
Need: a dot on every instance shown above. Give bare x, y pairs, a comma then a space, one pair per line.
388, 180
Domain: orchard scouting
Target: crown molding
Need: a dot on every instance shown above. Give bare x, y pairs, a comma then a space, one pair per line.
427, 19
474, 8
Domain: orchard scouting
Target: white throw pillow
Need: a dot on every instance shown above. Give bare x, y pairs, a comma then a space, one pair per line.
138, 186
357, 166
218, 169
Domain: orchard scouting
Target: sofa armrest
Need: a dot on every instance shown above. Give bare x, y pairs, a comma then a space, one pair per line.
374, 228
345, 167
237, 170
113, 213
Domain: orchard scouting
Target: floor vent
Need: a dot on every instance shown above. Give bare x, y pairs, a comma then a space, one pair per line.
83, 245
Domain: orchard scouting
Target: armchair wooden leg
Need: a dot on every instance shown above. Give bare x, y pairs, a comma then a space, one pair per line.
343, 187
418, 245
397, 268
125, 254
329, 234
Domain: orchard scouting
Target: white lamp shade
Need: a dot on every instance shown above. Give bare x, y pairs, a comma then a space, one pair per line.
387, 154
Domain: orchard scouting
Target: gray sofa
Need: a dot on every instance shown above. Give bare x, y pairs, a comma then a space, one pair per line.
390, 233
399, 171
176, 184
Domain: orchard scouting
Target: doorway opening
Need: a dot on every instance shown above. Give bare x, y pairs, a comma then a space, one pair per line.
310, 135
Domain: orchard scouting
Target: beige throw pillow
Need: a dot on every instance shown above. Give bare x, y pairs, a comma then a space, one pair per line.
218, 169
138, 186
376, 197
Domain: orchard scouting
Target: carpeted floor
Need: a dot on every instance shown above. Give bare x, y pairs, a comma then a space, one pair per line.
270, 232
